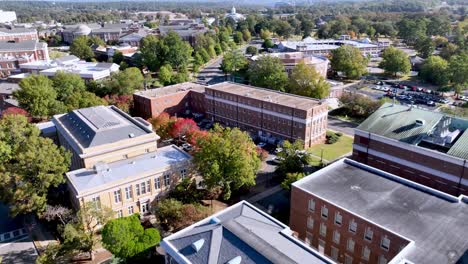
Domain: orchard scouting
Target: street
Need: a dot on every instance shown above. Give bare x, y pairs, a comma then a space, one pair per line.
341, 126
212, 74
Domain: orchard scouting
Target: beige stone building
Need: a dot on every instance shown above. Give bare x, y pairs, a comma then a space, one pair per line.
115, 160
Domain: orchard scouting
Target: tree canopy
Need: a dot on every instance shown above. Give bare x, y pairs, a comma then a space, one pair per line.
395, 61
268, 72
126, 238
349, 60
81, 47
434, 70
233, 61
305, 81
227, 159
29, 165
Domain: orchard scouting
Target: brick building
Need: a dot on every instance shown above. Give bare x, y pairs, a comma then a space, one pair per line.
182, 98
269, 114
356, 214
13, 54
18, 34
427, 147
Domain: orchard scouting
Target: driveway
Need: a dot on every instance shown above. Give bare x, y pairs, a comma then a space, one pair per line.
341, 126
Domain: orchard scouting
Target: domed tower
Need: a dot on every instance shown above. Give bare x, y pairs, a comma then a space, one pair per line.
233, 10
82, 30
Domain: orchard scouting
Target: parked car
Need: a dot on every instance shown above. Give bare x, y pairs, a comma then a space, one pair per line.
186, 147
261, 144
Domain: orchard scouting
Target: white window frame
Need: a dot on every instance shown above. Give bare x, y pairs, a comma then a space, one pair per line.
308, 239
183, 173
323, 230
338, 218
385, 243
348, 259
119, 214
311, 205
130, 210
143, 188
137, 189
167, 179
336, 236
350, 245
310, 222
324, 212
366, 253
352, 223
382, 260
128, 192
96, 200
117, 196
148, 186
370, 232
157, 183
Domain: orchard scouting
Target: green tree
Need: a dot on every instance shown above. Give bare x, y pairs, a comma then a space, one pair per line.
268, 72
118, 57
412, 29
252, 50
290, 179
175, 215
211, 51
349, 60
267, 43
66, 84
293, 158
238, 38
305, 81
152, 52
165, 74
458, 70
204, 54
246, 36
81, 48
83, 99
425, 47
37, 96
434, 70
126, 82
126, 238
265, 34
30, 165
395, 61
233, 61
448, 51
228, 159
181, 76
177, 52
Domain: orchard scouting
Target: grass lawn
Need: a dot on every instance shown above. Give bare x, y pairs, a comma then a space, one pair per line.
333, 151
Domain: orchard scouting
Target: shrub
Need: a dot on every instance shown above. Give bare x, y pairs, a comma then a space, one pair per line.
332, 137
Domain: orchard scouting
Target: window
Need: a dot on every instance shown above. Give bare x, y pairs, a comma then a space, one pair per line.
183, 173
350, 245
336, 237
368, 234
148, 186
352, 226
310, 222
128, 192
119, 214
338, 218
166, 179
348, 259
324, 212
137, 188
311, 205
157, 183
365, 253
143, 188
130, 210
117, 196
334, 253
145, 208
323, 229
385, 243
96, 201
382, 260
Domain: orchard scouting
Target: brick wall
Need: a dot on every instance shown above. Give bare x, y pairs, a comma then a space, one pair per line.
301, 218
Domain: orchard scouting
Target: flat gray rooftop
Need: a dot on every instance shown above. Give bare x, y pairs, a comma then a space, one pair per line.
241, 231
100, 125
87, 179
435, 221
172, 89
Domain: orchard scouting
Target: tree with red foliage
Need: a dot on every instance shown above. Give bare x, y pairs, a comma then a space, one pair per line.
262, 153
162, 124
195, 136
124, 102
183, 127
13, 110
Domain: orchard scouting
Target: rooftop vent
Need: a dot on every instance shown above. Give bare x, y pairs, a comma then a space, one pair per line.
131, 135
236, 260
420, 122
197, 245
214, 220
101, 167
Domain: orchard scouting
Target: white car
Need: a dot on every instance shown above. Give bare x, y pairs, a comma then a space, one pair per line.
261, 144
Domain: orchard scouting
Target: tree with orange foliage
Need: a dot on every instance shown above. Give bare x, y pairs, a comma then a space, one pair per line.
162, 124
183, 127
13, 110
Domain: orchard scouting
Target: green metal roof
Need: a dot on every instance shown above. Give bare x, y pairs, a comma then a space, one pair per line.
460, 148
399, 122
